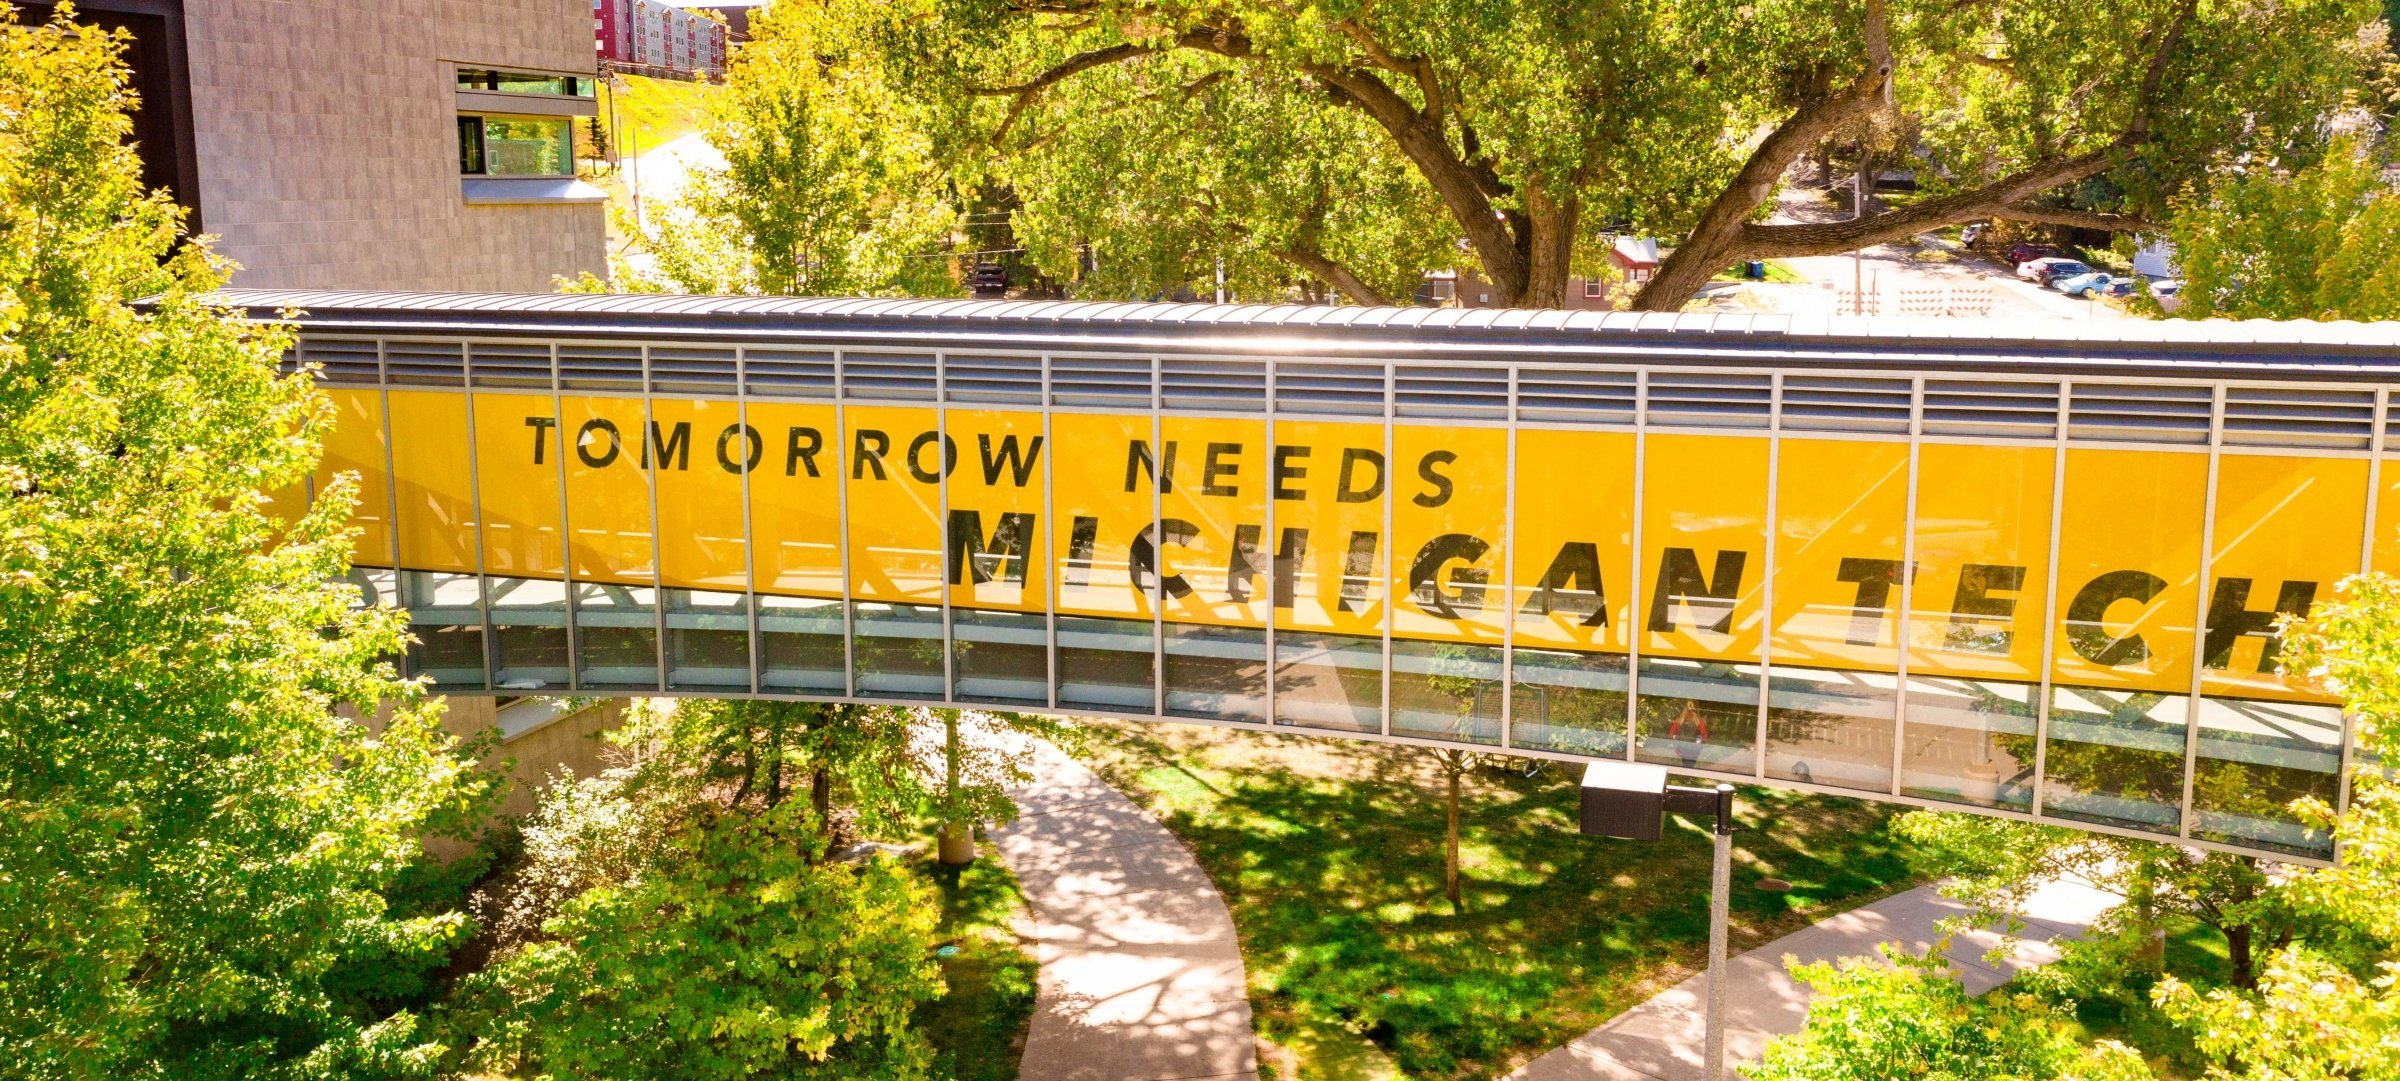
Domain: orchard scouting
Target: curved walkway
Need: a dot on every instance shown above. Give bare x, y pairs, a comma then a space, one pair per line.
1141, 975
1660, 1040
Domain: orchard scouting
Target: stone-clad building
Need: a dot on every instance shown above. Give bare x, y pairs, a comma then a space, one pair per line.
391, 144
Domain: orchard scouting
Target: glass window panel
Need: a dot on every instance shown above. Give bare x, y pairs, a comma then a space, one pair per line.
1569, 701
2384, 547
608, 489
1449, 502
470, 145
2255, 759
898, 650
2129, 568
529, 634
1841, 507
994, 534
528, 146
1970, 741
1574, 546
701, 450
1697, 714
708, 640
616, 636
517, 451
1329, 681
1001, 656
354, 445
800, 646
1100, 501
434, 481
894, 468
1704, 538
1328, 482
795, 499
2116, 757
1982, 556
1213, 517
2282, 536
1447, 690
1830, 728
445, 614
1218, 673
1107, 664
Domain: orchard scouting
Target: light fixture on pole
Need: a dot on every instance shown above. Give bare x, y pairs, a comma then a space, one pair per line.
1631, 800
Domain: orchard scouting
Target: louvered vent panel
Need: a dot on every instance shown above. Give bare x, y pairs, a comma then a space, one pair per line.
2299, 417
785, 373
972, 377
1816, 403
599, 367
1991, 410
509, 365
2139, 413
342, 361
1339, 389
889, 376
1710, 400
1193, 384
691, 371
440, 364
288, 363
1108, 382
1459, 393
1583, 395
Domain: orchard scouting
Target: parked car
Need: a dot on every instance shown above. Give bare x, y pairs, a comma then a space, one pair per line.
2095, 283
2169, 294
2116, 287
2045, 270
1972, 233
2023, 252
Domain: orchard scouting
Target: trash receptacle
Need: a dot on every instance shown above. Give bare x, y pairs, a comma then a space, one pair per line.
1755, 270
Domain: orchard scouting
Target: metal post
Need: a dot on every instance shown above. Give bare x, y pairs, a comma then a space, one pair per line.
1720, 890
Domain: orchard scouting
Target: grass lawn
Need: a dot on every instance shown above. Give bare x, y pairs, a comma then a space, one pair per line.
2196, 954
1777, 272
978, 1028
1330, 854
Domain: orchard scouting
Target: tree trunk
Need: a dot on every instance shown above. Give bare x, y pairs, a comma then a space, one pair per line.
2151, 955
957, 844
1864, 183
1450, 840
820, 799
2238, 952
1551, 228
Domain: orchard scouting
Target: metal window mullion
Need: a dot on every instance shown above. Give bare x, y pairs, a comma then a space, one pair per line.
2058, 510
483, 585
1767, 625
1049, 531
1508, 571
741, 416
391, 490
566, 529
841, 487
942, 458
2366, 562
1634, 627
1908, 578
2208, 556
1391, 598
1270, 547
658, 555
1159, 479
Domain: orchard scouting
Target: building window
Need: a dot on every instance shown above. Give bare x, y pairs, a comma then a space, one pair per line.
516, 146
1594, 288
516, 82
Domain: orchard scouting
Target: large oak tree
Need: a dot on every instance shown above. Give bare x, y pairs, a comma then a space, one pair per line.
1348, 138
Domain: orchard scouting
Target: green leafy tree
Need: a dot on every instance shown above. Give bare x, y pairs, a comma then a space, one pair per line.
2318, 242
198, 855
1906, 1018
1534, 125
827, 189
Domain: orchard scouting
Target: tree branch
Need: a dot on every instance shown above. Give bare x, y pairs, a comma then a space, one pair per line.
1760, 241
2078, 219
1332, 273
1026, 92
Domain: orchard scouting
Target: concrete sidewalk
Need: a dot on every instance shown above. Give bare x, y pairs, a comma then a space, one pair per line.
1141, 975
1660, 1040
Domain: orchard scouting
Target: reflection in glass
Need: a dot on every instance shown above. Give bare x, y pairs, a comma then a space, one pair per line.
1107, 664
1446, 690
529, 634
1572, 702
1001, 656
616, 637
1698, 714
445, 613
1831, 728
708, 640
898, 649
1219, 673
2116, 758
1970, 741
2255, 759
1329, 681
800, 646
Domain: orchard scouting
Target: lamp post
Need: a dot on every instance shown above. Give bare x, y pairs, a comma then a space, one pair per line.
1631, 800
